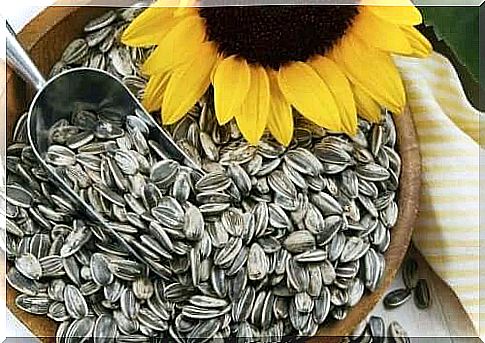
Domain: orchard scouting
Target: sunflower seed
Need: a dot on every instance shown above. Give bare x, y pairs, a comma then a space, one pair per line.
298, 319
374, 265
18, 196
33, 304
75, 240
29, 266
195, 312
397, 333
96, 37
239, 262
377, 329
297, 276
372, 172
242, 309
313, 256
193, 223
397, 297
128, 303
389, 215
100, 270
280, 184
75, 52
143, 288
422, 296
125, 325
21, 283
354, 249
228, 252
326, 203
149, 319
410, 273
80, 330
51, 266
100, 22
237, 284
105, 329
257, 264
121, 61
204, 330
56, 289
76, 305
299, 241
72, 269
57, 312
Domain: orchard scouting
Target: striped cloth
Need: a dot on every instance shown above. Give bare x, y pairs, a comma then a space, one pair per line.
448, 127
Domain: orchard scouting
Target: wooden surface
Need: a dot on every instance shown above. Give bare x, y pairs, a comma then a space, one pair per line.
46, 37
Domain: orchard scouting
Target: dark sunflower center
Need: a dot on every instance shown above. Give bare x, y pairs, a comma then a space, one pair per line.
275, 35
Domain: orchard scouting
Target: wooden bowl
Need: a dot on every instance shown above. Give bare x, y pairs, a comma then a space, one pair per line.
45, 38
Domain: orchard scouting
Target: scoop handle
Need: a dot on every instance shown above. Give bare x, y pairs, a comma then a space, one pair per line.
20, 61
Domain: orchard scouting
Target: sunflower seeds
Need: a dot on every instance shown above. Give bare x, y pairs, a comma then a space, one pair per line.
280, 232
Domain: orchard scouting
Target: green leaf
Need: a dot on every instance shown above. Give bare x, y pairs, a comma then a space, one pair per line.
459, 28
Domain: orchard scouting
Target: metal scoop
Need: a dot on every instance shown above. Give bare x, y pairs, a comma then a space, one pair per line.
77, 89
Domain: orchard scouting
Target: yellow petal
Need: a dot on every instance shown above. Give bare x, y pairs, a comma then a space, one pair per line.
420, 45
252, 116
339, 86
231, 84
366, 106
379, 33
401, 12
187, 84
149, 27
372, 70
280, 120
180, 45
306, 91
153, 96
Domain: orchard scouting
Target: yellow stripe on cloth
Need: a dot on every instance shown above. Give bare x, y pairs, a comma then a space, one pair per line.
448, 128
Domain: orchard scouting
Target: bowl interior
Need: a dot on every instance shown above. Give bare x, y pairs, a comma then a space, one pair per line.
45, 38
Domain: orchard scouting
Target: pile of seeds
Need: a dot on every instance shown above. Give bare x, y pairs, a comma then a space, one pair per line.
272, 241
412, 283
101, 48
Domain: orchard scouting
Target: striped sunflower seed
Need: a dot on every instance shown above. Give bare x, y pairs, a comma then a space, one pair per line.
422, 295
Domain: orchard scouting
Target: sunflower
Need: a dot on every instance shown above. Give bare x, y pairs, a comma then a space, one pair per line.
326, 62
